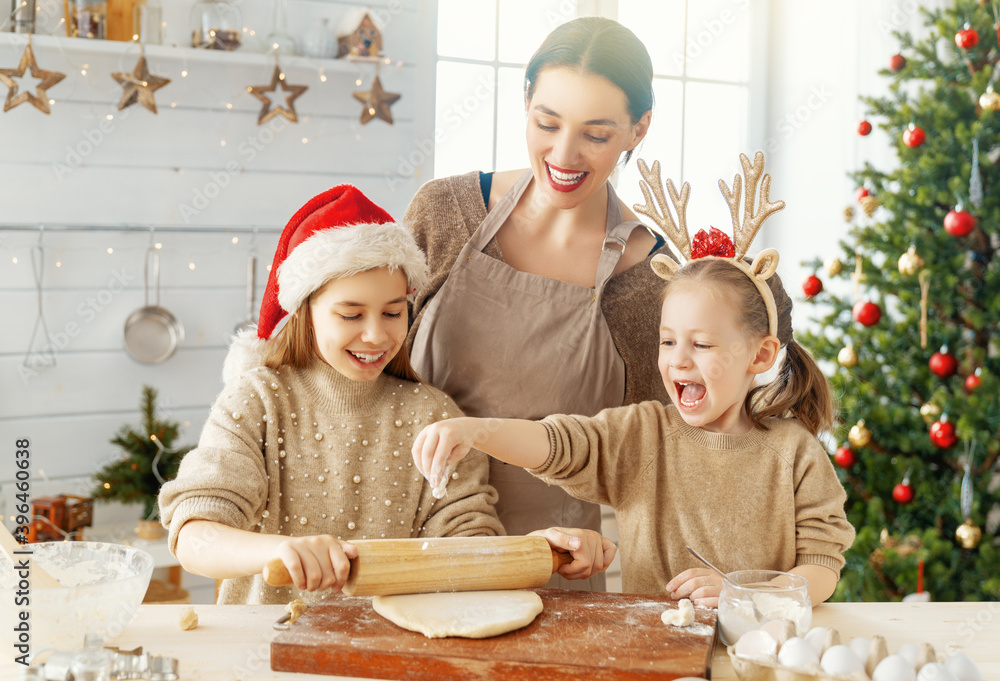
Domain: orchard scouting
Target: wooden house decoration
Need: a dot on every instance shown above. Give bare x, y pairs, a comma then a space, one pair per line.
364, 41
59, 518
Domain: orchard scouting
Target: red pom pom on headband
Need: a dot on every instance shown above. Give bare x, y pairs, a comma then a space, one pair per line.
713, 242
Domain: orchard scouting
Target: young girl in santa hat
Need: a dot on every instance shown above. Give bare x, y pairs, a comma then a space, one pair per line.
307, 447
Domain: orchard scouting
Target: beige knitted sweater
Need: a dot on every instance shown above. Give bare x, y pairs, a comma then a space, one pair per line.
765, 499
306, 452
443, 216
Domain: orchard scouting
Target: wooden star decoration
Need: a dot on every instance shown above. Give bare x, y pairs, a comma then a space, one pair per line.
292, 92
39, 99
377, 102
139, 86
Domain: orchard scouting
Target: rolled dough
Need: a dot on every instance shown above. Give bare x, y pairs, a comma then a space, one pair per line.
469, 614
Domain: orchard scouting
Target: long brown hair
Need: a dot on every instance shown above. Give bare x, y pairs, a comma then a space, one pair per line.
295, 345
800, 389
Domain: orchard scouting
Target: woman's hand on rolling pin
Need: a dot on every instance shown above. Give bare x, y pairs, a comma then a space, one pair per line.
591, 552
317, 562
440, 446
701, 585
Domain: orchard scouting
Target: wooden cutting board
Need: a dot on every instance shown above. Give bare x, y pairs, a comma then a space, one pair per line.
578, 635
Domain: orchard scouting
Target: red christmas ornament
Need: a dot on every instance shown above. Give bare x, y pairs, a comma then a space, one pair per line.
972, 381
844, 457
812, 285
943, 433
967, 38
897, 63
862, 193
959, 222
713, 242
867, 313
943, 364
903, 492
864, 128
913, 136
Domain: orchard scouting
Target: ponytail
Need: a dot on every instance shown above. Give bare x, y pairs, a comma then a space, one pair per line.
800, 390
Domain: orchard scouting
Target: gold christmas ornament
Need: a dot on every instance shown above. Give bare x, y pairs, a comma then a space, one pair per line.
910, 263
859, 435
139, 86
990, 100
869, 205
848, 213
292, 92
377, 102
930, 412
833, 266
968, 534
847, 357
40, 98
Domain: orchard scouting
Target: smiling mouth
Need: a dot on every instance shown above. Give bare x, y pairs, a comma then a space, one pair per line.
564, 178
690, 395
366, 357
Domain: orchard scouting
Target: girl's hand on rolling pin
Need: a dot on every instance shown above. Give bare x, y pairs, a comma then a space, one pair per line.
440, 446
592, 553
701, 585
317, 562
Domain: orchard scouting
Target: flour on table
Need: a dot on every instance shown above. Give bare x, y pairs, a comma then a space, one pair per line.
468, 614
683, 616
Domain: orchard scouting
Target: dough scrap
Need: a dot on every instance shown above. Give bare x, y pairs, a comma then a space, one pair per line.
188, 619
468, 614
295, 609
682, 616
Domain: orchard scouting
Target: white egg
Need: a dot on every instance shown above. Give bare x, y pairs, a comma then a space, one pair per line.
910, 651
963, 667
860, 646
894, 668
757, 645
816, 638
935, 671
796, 652
841, 661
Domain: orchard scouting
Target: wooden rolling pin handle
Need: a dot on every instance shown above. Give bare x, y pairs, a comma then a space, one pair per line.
276, 574
559, 559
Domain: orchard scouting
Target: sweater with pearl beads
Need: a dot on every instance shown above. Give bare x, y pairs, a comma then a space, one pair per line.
308, 451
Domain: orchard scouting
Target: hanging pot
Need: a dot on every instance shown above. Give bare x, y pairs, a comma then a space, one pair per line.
152, 333
249, 323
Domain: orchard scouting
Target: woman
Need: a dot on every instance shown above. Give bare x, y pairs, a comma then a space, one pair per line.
541, 297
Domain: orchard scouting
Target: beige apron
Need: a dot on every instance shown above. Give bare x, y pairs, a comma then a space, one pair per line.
507, 343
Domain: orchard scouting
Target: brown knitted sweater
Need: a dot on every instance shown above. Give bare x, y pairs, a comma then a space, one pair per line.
762, 500
302, 452
443, 216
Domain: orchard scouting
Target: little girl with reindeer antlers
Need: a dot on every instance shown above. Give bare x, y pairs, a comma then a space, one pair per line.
731, 469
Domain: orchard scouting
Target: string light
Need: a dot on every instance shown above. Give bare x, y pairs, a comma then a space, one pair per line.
157, 245
107, 485
58, 263
305, 140
190, 265
110, 251
110, 117
184, 73
229, 105
222, 143
358, 82
14, 260
236, 240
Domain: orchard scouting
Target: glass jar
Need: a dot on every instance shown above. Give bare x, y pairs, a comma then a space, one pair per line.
22, 16
86, 18
752, 598
147, 21
216, 25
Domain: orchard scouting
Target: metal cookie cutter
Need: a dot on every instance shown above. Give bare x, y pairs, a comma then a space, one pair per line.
283, 622
99, 663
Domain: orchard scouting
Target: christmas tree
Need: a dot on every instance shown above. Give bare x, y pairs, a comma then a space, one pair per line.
912, 343
149, 461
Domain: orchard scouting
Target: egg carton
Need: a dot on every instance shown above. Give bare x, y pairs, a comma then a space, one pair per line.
753, 669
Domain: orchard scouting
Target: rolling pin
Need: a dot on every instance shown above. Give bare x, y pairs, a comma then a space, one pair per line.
405, 566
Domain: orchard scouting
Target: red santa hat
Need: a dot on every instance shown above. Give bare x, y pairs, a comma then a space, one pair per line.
338, 233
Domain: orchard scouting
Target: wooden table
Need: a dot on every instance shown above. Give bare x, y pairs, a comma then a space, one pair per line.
232, 642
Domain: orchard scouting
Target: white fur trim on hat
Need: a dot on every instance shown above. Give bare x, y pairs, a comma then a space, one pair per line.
344, 251
246, 352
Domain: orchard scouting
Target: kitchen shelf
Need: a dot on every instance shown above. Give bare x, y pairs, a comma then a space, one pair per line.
86, 46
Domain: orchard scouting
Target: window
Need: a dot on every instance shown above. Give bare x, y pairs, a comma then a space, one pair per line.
701, 53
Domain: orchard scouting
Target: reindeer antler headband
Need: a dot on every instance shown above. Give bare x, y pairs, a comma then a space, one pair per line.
715, 244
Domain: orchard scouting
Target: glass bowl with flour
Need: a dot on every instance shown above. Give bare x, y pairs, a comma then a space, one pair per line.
102, 587
752, 598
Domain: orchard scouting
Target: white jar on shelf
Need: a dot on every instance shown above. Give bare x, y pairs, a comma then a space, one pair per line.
319, 41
